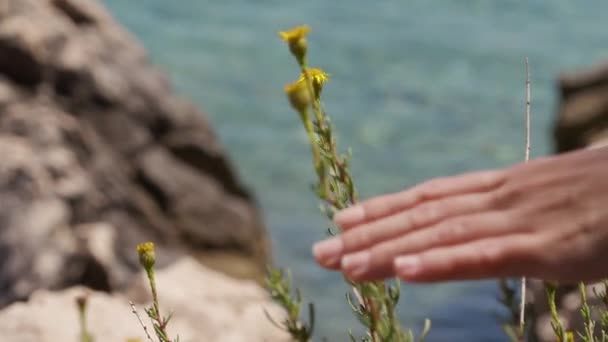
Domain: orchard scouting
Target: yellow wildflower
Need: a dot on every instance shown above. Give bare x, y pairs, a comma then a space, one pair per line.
295, 34
317, 77
147, 257
298, 95
296, 39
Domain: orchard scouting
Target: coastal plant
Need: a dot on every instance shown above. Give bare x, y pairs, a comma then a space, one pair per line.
561, 334
81, 304
589, 323
280, 285
602, 297
373, 303
147, 259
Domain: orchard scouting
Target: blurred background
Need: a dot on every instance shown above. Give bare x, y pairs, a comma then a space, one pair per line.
418, 89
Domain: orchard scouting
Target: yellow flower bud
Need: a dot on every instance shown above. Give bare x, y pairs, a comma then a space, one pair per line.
147, 257
298, 95
318, 77
296, 39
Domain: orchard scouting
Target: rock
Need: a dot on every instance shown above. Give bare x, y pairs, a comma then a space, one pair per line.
99, 154
207, 306
583, 112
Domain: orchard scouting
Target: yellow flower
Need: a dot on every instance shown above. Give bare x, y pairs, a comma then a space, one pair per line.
298, 95
147, 257
295, 34
318, 77
296, 39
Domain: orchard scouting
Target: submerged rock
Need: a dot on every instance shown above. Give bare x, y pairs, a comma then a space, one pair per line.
99, 154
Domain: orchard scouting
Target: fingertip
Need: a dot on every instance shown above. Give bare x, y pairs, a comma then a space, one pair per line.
350, 216
407, 267
355, 265
328, 253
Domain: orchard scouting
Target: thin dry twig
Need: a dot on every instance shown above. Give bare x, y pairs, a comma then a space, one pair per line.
522, 305
143, 325
528, 101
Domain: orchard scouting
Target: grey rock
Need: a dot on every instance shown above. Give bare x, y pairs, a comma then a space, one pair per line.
99, 154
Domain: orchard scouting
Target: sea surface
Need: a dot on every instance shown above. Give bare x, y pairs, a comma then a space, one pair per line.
418, 89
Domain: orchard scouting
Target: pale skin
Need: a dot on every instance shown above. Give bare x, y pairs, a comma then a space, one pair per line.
545, 219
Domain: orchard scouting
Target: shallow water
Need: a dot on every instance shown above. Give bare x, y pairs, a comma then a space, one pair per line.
419, 89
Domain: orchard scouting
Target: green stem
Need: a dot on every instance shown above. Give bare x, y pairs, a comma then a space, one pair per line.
586, 314
335, 198
84, 331
308, 126
152, 281
160, 321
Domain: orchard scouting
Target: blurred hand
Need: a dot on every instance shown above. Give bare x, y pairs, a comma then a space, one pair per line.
546, 219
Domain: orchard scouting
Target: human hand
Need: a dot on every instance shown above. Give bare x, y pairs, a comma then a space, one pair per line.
546, 219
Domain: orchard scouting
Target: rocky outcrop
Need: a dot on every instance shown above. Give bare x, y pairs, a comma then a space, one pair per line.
98, 154
583, 112
207, 306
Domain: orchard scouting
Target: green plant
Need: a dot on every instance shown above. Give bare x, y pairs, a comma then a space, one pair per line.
81, 304
147, 259
602, 296
280, 285
373, 303
560, 331
589, 323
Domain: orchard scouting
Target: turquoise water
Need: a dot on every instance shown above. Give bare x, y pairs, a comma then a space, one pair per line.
419, 89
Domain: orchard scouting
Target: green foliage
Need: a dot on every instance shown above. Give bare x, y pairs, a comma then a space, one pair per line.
280, 291
588, 334
560, 331
602, 295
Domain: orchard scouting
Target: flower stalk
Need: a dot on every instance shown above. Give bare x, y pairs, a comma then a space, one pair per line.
560, 331
373, 303
280, 287
81, 304
588, 334
147, 259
